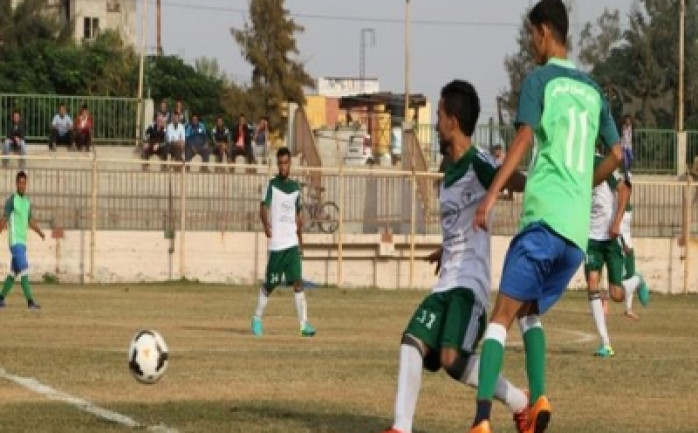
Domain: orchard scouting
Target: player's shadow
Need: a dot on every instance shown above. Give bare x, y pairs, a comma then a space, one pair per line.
321, 421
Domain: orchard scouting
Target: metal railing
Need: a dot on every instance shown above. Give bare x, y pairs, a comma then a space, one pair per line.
86, 194
114, 118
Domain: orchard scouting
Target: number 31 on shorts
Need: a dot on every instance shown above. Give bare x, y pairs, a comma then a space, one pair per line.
426, 318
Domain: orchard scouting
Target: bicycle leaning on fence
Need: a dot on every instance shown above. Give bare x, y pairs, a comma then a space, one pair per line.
322, 215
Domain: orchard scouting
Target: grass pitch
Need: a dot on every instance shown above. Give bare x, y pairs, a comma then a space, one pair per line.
221, 379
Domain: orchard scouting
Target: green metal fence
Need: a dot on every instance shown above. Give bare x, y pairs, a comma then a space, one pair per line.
654, 149
114, 118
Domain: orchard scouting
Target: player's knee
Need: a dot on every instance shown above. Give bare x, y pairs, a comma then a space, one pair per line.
594, 294
454, 366
410, 340
617, 293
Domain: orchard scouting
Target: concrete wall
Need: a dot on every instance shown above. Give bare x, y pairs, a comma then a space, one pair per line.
239, 258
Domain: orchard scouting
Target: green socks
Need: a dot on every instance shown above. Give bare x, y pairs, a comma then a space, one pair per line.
7, 286
629, 264
26, 289
491, 360
534, 345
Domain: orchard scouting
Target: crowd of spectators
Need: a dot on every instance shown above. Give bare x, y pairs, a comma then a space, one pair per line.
178, 135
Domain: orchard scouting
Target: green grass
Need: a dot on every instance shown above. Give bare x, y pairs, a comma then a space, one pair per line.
220, 379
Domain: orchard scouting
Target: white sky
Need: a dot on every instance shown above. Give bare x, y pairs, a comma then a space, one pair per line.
465, 39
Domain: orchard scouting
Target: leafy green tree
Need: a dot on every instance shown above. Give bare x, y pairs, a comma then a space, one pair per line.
29, 22
170, 78
267, 42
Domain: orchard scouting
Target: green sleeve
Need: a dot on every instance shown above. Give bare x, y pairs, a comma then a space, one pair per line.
30, 212
266, 198
484, 170
9, 206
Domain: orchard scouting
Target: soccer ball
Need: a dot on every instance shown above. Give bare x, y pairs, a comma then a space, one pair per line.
147, 356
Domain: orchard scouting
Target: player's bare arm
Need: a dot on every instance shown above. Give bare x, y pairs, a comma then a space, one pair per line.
264, 216
299, 231
610, 163
34, 226
435, 257
623, 192
3, 224
519, 146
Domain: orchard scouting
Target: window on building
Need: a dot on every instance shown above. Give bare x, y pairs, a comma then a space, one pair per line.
113, 5
90, 28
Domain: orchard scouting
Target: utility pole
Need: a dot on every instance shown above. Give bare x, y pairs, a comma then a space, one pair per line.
158, 21
680, 133
139, 111
362, 52
407, 60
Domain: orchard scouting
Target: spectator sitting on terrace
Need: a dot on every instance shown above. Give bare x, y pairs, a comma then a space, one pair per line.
242, 142
196, 141
176, 137
61, 129
498, 154
221, 140
83, 136
15, 140
155, 142
261, 138
183, 112
163, 112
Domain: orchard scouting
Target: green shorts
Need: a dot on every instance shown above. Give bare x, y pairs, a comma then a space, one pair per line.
283, 264
448, 319
609, 253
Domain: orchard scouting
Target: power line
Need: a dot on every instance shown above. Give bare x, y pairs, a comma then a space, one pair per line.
348, 18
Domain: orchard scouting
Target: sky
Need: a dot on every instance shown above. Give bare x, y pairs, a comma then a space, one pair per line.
465, 39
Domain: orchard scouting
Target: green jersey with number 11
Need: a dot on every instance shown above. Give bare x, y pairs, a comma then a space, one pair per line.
567, 111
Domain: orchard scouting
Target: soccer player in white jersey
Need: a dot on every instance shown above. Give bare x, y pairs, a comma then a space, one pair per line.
643, 292
280, 212
608, 204
447, 326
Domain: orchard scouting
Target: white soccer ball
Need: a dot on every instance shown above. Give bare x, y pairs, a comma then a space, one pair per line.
147, 356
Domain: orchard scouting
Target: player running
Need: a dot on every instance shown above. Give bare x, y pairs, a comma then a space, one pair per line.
608, 203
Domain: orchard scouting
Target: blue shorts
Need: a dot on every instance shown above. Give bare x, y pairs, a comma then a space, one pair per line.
19, 258
539, 265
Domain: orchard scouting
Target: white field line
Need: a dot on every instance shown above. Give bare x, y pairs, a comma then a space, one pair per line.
35, 386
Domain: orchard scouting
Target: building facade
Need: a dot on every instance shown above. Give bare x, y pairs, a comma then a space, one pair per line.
90, 17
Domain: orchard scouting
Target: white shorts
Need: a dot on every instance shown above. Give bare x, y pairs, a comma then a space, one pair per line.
625, 229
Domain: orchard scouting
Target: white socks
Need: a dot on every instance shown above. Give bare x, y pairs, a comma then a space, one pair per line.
599, 319
630, 285
409, 380
261, 303
301, 307
505, 391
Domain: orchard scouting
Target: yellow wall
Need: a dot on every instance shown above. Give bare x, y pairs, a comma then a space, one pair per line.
316, 109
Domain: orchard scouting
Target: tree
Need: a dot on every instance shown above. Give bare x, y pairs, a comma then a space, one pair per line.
267, 42
208, 66
644, 68
28, 22
596, 41
171, 78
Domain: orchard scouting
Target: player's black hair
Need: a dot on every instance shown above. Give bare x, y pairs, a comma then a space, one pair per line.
460, 100
20, 175
552, 13
283, 151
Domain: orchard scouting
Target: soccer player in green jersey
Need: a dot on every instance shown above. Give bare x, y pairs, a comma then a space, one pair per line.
565, 111
446, 327
280, 212
17, 217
